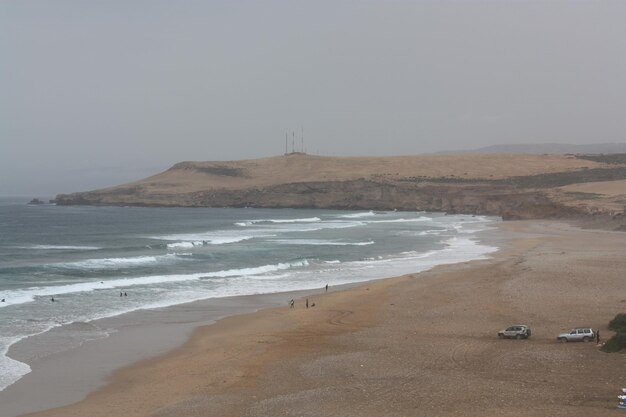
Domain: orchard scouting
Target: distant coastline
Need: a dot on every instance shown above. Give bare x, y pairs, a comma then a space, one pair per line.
512, 186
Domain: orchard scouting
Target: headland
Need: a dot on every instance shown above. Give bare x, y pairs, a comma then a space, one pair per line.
586, 188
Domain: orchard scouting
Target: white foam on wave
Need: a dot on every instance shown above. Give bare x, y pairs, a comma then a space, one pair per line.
31, 294
417, 219
474, 228
184, 245
434, 232
259, 270
426, 232
333, 224
217, 237
117, 263
15, 297
457, 249
207, 239
311, 224
12, 370
320, 242
59, 247
358, 215
246, 223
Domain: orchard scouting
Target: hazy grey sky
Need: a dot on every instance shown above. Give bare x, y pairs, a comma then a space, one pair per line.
95, 93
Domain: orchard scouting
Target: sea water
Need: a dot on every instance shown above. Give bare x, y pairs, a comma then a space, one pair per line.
98, 262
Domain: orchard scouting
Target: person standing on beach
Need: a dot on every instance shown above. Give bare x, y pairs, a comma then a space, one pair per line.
598, 336
307, 303
326, 287
291, 303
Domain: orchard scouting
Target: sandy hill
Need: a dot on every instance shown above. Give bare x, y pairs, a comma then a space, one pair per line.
512, 185
294, 168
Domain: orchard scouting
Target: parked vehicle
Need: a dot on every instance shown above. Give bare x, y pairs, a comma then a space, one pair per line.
516, 331
579, 334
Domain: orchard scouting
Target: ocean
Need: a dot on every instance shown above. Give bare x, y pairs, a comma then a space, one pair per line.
98, 262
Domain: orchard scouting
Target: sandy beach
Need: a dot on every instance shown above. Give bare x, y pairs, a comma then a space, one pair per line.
417, 345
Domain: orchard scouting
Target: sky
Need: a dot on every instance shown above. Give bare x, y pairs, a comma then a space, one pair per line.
95, 93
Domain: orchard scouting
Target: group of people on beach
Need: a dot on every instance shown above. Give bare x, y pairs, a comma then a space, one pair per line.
292, 303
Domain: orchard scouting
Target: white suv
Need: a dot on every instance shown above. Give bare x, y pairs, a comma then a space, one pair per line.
517, 331
579, 334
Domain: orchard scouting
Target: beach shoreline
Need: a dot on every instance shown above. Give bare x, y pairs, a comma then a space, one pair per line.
126, 339
279, 359
69, 361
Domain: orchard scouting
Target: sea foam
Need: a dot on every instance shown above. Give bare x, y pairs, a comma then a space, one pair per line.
12, 370
277, 221
358, 215
320, 242
31, 294
60, 247
117, 263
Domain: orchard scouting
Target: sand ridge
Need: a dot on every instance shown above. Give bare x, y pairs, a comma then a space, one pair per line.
422, 345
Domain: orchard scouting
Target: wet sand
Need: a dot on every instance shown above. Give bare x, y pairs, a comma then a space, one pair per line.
418, 345
64, 370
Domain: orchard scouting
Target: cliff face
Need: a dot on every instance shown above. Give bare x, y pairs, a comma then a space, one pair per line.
358, 194
511, 186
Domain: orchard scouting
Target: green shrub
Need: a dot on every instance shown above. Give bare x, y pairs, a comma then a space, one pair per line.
618, 324
612, 345
617, 342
